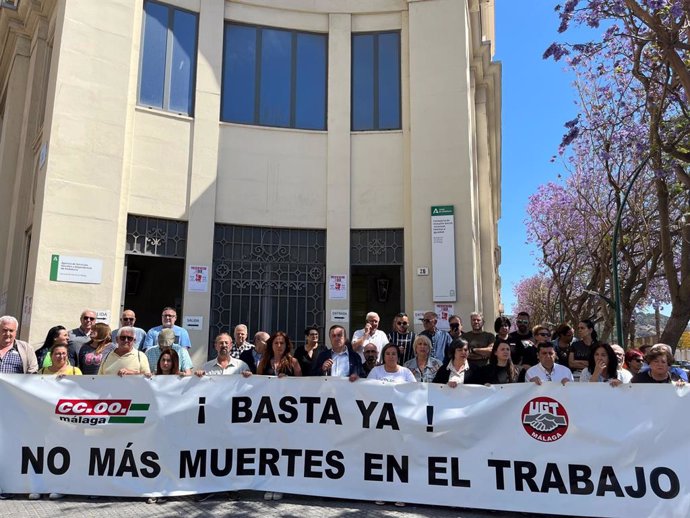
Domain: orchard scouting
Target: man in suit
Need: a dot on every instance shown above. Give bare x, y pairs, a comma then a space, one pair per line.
339, 361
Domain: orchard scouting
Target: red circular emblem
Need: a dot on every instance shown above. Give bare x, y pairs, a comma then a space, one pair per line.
544, 419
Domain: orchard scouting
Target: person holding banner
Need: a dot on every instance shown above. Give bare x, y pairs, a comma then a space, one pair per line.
390, 371
124, 360
224, 363
547, 369
278, 360
16, 356
603, 367
457, 369
659, 359
340, 360
59, 364
500, 369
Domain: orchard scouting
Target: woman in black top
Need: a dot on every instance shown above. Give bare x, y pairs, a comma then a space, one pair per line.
500, 369
278, 359
659, 360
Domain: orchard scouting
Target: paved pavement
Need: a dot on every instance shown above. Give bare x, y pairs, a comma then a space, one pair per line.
250, 504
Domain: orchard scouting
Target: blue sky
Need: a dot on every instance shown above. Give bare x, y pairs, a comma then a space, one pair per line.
538, 98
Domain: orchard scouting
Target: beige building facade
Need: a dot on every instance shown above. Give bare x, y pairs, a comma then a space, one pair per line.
278, 146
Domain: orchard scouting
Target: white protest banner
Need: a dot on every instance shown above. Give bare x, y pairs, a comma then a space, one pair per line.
521, 447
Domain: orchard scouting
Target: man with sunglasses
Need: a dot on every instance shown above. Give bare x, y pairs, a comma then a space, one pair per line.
125, 360
129, 318
403, 337
82, 334
521, 341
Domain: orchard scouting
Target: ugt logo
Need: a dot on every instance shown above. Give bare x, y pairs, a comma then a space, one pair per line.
99, 411
544, 419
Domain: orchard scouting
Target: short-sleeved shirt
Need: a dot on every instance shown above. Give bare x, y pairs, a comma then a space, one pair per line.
11, 363
558, 373
402, 375
132, 360
379, 339
235, 366
153, 353
181, 337
139, 338
478, 340
90, 360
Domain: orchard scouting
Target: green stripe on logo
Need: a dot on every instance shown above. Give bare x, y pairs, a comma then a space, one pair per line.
54, 263
133, 420
139, 406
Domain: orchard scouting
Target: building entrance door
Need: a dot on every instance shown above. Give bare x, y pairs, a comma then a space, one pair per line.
153, 283
375, 288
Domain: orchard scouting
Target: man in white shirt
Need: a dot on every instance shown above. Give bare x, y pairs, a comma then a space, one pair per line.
371, 334
224, 364
547, 369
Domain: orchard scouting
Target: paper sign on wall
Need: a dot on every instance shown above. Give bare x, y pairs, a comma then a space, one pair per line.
197, 278
444, 312
337, 287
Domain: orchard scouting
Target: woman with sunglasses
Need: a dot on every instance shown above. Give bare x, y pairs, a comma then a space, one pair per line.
634, 359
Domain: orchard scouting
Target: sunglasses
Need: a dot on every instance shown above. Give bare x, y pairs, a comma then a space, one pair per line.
523, 321
88, 318
455, 326
126, 338
403, 323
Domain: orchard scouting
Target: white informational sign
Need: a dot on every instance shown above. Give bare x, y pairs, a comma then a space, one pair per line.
418, 316
443, 253
337, 287
444, 312
193, 323
197, 278
520, 447
85, 270
340, 315
103, 316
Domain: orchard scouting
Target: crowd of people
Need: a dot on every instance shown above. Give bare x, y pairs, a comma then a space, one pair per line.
529, 353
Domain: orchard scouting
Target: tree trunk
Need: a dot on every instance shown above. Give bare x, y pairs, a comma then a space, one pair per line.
676, 324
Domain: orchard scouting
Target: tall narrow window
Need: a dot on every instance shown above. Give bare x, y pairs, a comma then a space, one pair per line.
376, 81
274, 77
168, 58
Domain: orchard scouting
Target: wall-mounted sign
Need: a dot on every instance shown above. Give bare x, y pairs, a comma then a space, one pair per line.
443, 253
197, 278
193, 323
337, 287
340, 315
85, 270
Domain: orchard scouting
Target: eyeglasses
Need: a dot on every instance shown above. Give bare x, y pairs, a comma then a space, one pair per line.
126, 338
425, 320
523, 321
165, 315
88, 318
